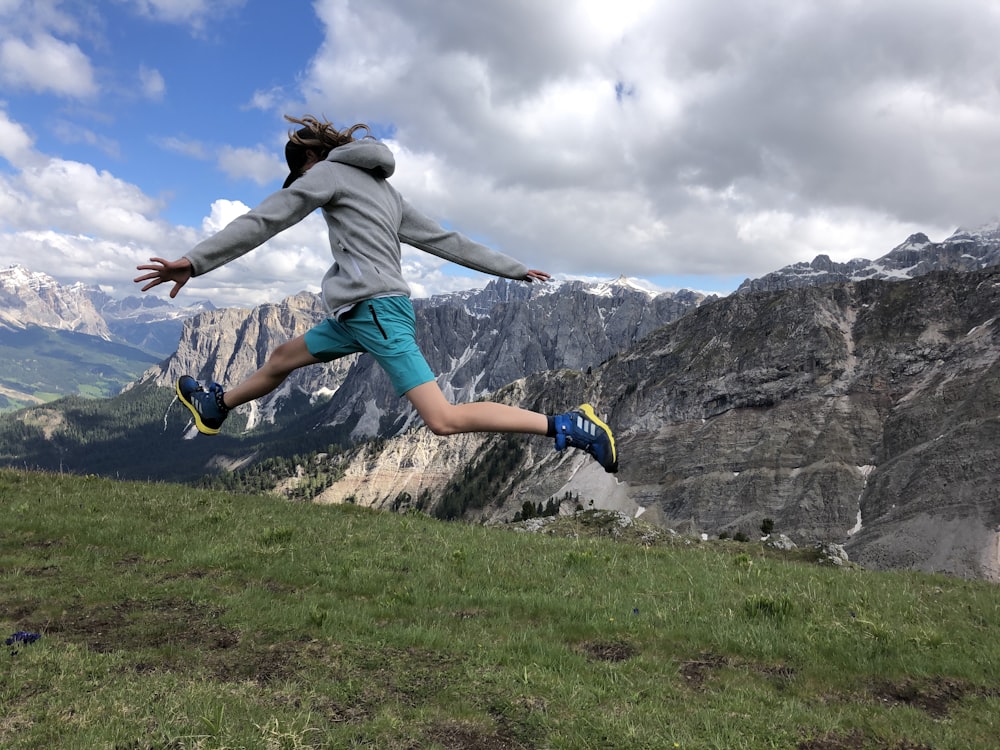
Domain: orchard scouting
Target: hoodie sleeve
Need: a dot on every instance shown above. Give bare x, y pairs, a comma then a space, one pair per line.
274, 214
426, 234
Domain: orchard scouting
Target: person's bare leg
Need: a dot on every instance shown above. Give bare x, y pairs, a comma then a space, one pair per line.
281, 363
445, 418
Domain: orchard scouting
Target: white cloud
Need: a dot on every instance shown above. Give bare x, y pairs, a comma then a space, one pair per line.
192, 148
257, 164
193, 13
151, 83
222, 213
75, 198
641, 137
76, 256
46, 64
15, 143
21, 17
69, 132
269, 100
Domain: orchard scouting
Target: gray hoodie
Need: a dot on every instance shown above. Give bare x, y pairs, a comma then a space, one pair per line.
367, 219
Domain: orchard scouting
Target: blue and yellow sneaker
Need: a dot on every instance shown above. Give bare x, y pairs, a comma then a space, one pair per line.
207, 407
581, 428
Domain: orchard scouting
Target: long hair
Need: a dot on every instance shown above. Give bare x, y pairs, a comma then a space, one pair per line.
321, 136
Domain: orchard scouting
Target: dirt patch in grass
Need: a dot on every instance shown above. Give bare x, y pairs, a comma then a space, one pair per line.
855, 740
935, 696
42, 571
135, 624
335, 712
260, 664
835, 741
696, 671
386, 676
611, 651
43, 544
457, 735
409, 675
469, 614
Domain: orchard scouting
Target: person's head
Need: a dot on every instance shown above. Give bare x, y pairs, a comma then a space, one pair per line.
313, 142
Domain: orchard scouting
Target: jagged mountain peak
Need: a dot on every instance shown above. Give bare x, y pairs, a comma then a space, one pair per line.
622, 283
16, 277
34, 298
984, 233
965, 250
918, 239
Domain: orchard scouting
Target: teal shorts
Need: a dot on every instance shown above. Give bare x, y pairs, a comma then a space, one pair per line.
385, 327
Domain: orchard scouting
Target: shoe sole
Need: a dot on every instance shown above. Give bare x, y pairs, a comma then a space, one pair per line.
203, 428
588, 410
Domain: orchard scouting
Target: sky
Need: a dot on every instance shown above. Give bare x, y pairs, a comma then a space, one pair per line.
690, 143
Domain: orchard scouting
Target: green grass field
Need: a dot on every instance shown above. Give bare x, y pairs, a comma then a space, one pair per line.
179, 618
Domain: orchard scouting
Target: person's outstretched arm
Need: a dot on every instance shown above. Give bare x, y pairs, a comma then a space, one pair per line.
425, 234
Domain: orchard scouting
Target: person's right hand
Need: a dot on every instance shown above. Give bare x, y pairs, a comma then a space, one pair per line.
177, 272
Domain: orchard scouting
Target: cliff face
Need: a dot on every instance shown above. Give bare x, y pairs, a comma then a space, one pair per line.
864, 412
229, 344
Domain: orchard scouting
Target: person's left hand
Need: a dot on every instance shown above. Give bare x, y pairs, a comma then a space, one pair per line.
539, 276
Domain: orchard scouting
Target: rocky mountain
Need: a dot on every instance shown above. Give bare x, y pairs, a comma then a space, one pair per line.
865, 413
477, 342
30, 298
965, 250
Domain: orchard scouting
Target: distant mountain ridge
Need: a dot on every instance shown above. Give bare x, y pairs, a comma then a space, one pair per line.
965, 250
148, 323
476, 341
32, 298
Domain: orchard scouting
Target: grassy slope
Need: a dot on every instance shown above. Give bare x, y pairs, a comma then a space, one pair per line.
178, 618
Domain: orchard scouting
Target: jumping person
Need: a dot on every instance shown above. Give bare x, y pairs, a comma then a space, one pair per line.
365, 294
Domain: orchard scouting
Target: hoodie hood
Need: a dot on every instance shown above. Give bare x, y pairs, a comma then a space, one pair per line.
370, 155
